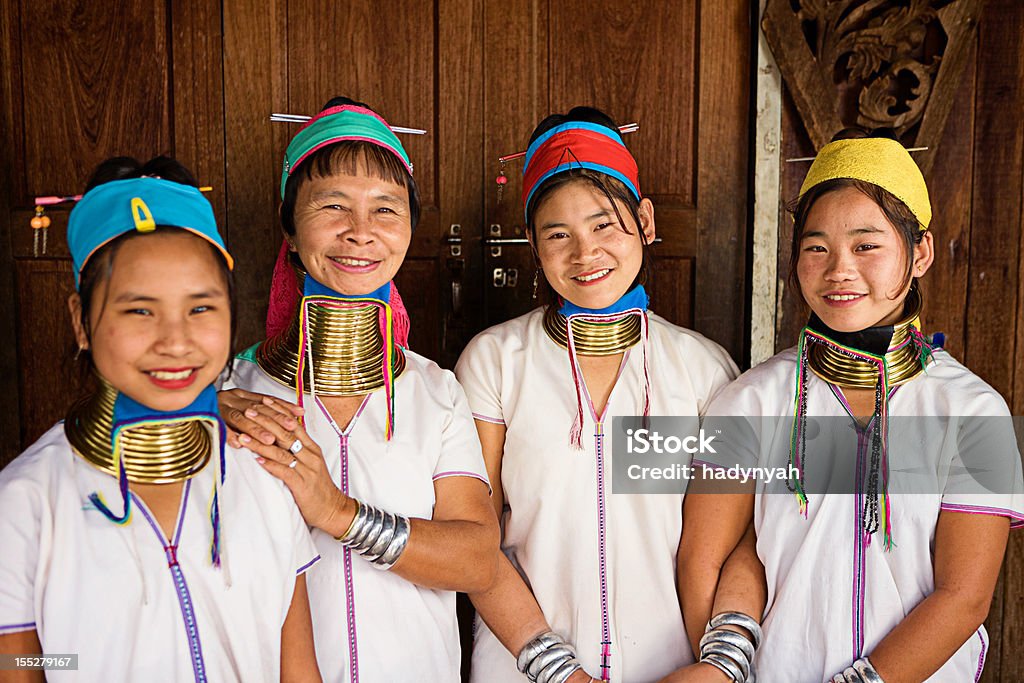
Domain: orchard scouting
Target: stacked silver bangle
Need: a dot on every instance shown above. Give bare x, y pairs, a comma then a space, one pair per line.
377, 535
861, 672
548, 659
730, 652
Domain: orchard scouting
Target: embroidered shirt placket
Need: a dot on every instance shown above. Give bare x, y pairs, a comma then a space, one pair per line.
861, 538
350, 596
602, 546
180, 584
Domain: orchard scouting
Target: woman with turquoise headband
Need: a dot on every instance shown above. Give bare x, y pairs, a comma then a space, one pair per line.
587, 582
384, 460
129, 535
882, 547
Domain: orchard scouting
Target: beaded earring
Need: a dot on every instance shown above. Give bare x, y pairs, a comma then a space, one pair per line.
502, 181
40, 222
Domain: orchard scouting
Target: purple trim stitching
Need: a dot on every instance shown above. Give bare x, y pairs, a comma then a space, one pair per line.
350, 597
486, 418
307, 565
17, 628
601, 547
1016, 519
859, 563
181, 585
981, 657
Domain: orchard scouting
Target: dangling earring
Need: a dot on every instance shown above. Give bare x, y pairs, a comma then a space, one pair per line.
502, 181
40, 222
536, 281
78, 353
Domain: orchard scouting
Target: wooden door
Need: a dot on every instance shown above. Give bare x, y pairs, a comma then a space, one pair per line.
199, 80
680, 71
73, 94
417, 63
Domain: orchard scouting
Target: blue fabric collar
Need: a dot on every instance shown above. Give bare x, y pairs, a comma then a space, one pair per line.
313, 288
635, 298
128, 412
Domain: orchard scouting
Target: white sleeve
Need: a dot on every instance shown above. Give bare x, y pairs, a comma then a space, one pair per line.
479, 372
461, 455
719, 372
983, 472
21, 510
304, 553
735, 418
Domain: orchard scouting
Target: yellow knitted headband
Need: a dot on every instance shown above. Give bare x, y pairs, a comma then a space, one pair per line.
878, 161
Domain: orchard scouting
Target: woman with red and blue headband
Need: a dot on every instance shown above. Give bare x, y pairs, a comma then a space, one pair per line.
130, 536
586, 586
383, 460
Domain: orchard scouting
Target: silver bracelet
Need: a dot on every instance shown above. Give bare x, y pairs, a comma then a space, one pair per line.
866, 669
734, 639
745, 622
535, 647
733, 653
378, 536
725, 664
550, 658
547, 659
559, 673
397, 546
730, 651
861, 671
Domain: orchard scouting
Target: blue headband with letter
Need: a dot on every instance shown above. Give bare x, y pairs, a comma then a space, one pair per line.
120, 206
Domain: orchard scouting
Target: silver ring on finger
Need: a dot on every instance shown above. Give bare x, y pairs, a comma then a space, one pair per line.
293, 463
295, 447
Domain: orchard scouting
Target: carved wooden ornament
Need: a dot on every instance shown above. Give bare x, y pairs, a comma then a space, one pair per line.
873, 63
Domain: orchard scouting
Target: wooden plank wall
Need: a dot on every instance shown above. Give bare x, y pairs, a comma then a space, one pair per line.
974, 292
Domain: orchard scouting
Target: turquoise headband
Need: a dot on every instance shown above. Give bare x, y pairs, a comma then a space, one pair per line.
120, 206
345, 122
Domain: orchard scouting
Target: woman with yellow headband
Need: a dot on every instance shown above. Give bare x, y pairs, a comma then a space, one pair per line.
128, 536
882, 541
386, 466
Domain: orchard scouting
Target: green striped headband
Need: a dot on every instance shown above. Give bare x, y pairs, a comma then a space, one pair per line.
336, 124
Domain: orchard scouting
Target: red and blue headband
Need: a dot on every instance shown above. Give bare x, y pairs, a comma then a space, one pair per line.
577, 145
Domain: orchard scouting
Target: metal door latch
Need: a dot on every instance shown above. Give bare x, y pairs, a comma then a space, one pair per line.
505, 277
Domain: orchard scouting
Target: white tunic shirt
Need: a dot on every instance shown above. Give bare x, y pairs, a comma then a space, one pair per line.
368, 624
831, 597
599, 565
134, 605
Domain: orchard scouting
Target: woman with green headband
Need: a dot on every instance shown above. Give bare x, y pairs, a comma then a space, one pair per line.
128, 536
882, 541
384, 460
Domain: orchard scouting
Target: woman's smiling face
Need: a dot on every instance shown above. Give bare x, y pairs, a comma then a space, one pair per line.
852, 264
587, 256
160, 323
351, 231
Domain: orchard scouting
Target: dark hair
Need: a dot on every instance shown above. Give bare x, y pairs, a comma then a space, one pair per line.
908, 228
612, 188
100, 265
346, 157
